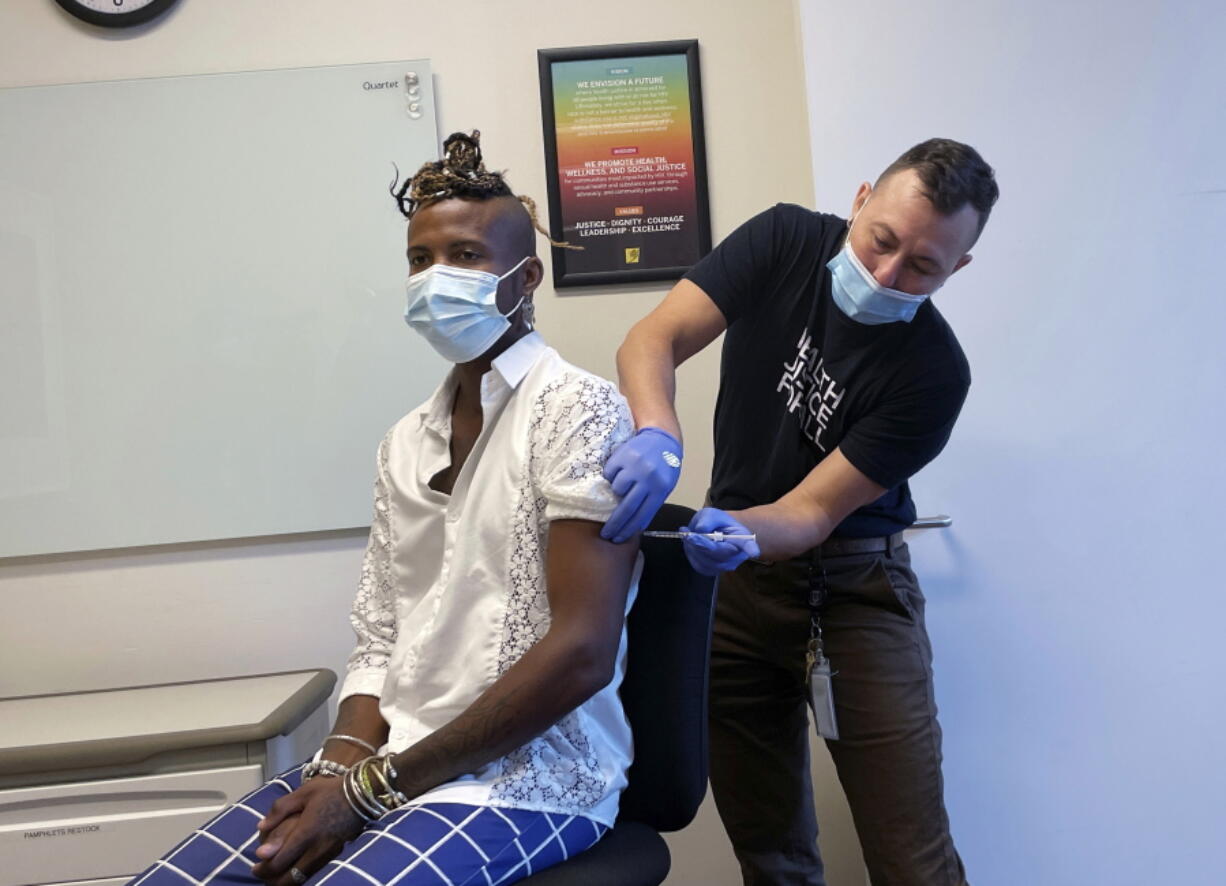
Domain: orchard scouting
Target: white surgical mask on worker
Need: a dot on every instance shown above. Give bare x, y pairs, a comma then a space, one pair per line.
858, 294
456, 309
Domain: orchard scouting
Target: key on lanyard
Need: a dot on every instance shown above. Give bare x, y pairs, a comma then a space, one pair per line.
817, 666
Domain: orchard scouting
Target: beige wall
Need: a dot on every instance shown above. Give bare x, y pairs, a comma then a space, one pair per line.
193, 611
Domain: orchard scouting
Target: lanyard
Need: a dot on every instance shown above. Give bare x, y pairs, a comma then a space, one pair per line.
817, 666
817, 596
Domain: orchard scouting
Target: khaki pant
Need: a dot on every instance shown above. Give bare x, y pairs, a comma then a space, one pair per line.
888, 756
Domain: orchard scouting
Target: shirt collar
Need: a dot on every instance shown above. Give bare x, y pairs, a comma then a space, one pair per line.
513, 363
437, 416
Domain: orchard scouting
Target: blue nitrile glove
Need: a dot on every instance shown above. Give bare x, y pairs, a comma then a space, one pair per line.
643, 471
713, 557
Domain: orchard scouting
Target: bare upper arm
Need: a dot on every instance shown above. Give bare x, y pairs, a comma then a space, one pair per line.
587, 579
687, 318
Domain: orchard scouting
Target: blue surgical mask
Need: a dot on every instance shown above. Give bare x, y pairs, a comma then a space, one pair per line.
858, 294
456, 309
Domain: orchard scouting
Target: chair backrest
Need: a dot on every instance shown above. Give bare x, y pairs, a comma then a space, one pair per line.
665, 687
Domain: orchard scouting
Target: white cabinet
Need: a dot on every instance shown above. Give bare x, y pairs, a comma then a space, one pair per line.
94, 786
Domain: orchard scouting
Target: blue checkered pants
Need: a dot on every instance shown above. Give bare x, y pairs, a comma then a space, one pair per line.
437, 844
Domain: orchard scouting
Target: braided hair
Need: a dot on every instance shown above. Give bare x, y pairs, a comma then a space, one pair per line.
461, 173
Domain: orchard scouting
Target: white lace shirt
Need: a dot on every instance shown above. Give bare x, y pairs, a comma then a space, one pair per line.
452, 591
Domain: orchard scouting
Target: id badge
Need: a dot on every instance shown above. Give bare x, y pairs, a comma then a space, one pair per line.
821, 699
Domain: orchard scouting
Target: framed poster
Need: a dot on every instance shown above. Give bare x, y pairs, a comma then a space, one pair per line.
625, 160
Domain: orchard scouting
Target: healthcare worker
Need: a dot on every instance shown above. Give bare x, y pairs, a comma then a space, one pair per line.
839, 380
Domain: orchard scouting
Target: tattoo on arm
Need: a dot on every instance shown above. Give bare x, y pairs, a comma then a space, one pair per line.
491, 727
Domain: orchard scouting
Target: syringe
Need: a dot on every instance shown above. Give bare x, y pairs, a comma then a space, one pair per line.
713, 536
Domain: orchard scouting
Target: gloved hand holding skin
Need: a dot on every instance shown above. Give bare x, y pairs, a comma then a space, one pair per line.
713, 557
642, 471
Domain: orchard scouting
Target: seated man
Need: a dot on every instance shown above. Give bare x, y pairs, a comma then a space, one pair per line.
480, 736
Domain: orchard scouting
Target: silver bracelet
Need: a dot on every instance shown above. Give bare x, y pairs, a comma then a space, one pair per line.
370, 789
352, 739
323, 767
346, 790
390, 797
359, 799
390, 777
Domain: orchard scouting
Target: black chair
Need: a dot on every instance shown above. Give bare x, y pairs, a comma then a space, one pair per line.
665, 695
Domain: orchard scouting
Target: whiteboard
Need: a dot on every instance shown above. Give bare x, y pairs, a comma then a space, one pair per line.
202, 333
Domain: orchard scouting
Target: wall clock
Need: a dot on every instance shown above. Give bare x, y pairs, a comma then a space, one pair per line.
116, 13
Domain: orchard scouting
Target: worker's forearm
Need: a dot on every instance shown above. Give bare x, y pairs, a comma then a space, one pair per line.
548, 682
786, 528
647, 376
358, 715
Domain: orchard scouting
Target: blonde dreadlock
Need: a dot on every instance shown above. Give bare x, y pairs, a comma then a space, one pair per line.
461, 173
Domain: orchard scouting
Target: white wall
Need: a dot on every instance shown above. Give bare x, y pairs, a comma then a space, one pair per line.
1074, 607
192, 611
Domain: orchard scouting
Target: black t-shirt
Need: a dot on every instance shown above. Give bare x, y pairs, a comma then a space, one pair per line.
799, 378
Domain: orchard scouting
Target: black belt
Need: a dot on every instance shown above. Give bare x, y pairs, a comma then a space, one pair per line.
846, 547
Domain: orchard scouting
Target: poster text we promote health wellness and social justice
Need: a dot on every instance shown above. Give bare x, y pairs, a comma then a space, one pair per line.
628, 188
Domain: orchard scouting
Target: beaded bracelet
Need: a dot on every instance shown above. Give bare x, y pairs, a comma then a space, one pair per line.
323, 767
